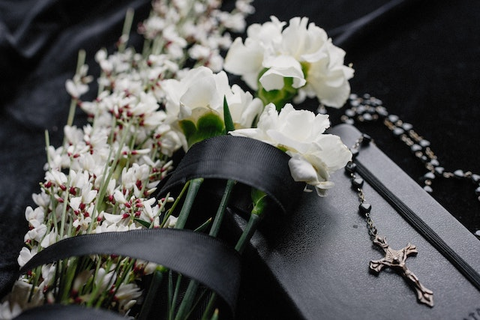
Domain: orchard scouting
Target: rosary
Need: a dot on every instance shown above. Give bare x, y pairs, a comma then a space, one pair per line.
369, 109
395, 259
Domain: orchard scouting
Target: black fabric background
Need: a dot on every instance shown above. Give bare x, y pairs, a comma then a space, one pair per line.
422, 60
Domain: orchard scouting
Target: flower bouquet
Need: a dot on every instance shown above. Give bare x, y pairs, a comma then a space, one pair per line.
129, 215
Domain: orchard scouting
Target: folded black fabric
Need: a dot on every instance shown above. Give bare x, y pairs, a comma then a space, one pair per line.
319, 254
422, 62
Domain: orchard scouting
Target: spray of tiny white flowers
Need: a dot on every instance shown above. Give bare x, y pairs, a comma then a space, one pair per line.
102, 177
148, 106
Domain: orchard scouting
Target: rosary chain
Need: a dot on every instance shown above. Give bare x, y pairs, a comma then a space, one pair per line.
368, 109
395, 259
357, 184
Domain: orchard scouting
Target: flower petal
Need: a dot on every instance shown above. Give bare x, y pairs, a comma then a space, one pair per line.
279, 68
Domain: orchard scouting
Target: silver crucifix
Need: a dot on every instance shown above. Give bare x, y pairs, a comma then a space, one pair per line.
395, 259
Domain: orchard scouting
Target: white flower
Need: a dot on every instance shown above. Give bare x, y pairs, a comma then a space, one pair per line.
136, 173
169, 140
49, 239
25, 255
41, 199
82, 223
201, 88
75, 89
294, 130
171, 221
34, 217
56, 176
301, 51
316, 165
314, 155
246, 59
9, 310
36, 233
279, 68
23, 296
127, 295
112, 218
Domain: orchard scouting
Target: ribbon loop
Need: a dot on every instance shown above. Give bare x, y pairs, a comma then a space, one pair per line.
248, 161
195, 255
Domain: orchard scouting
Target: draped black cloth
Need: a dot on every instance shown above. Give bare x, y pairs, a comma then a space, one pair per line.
421, 58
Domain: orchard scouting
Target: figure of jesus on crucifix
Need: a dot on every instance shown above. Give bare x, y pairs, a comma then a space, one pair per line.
396, 259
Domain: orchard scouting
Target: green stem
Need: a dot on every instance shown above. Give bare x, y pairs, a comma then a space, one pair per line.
127, 26
107, 175
150, 298
187, 300
192, 192
70, 270
210, 306
174, 296
248, 232
174, 205
188, 204
222, 207
73, 102
214, 232
215, 315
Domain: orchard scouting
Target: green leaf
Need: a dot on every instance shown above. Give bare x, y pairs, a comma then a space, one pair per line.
209, 124
142, 222
260, 201
227, 117
204, 225
188, 127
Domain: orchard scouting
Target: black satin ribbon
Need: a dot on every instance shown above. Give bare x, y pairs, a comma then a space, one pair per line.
195, 255
70, 312
248, 161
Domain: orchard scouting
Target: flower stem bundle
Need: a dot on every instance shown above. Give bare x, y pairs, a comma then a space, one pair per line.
157, 103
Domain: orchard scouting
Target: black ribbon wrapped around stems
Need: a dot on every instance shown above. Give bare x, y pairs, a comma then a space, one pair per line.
196, 255
251, 162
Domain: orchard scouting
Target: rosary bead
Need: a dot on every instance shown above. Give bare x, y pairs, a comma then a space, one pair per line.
351, 167
393, 118
424, 143
367, 117
415, 148
407, 126
428, 176
365, 208
381, 111
350, 113
366, 139
475, 178
439, 171
360, 110
477, 191
428, 189
458, 174
397, 132
357, 183
376, 102
349, 121
434, 162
